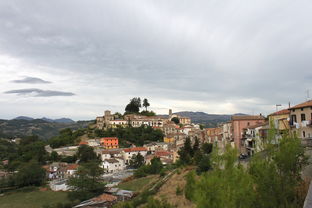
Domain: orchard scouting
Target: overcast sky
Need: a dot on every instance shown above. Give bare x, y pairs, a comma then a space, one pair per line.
77, 58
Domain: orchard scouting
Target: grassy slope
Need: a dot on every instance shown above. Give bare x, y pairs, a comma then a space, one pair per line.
139, 184
168, 191
33, 199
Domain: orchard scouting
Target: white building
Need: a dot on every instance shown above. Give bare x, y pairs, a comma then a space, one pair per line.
113, 165
128, 153
110, 153
93, 142
154, 146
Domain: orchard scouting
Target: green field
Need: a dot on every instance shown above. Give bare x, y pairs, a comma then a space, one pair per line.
33, 199
138, 184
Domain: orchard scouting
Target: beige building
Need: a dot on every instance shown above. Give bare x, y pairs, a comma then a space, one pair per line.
103, 121
301, 119
280, 120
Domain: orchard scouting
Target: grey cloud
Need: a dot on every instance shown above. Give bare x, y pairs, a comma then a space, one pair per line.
39, 93
31, 80
208, 50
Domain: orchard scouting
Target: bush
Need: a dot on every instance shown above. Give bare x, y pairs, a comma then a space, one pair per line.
179, 190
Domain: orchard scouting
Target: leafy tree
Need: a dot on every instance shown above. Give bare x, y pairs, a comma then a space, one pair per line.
186, 152
86, 154
137, 161
148, 113
195, 146
145, 103
69, 159
156, 166
271, 180
175, 120
207, 148
29, 174
66, 137
198, 156
134, 105
32, 149
204, 164
54, 156
87, 182
129, 135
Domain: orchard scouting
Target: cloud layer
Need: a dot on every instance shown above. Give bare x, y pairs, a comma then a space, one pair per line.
39, 93
213, 56
31, 80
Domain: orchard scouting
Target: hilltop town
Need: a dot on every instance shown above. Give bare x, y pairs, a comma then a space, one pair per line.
161, 146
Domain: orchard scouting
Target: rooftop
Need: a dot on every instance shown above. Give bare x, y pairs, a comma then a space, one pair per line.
135, 149
302, 105
108, 138
281, 112
247, 117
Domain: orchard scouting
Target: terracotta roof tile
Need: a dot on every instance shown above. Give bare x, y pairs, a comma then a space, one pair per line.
108, 138
247, 117
303, 105
281, 112
72, 167
135, 149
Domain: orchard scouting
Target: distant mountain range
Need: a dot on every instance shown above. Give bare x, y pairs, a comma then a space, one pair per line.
209, 120
60, 120
45, 128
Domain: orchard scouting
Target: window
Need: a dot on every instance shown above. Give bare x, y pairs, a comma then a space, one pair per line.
303, 134
303, 118
293, 110
248, 124
301, 109
293, 118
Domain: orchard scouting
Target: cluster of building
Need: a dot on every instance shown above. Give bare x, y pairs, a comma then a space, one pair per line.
134, 120
245, 132
248, 133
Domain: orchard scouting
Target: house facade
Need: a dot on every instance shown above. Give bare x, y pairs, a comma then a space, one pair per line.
109, 142
280, 120
239, 123
113, 165
128, 153
301, 120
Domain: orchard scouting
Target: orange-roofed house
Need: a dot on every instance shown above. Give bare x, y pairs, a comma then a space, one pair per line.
301, 119
109, 142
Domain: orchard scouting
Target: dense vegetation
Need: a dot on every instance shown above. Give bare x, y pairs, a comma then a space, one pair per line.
43, 129
271, 180
154, 168
138, 136
194, 155
66, 137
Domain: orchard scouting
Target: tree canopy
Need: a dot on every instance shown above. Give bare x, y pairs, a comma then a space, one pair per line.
145, 104
134, 105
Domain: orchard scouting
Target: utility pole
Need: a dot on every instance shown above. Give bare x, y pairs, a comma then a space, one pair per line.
308, 95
